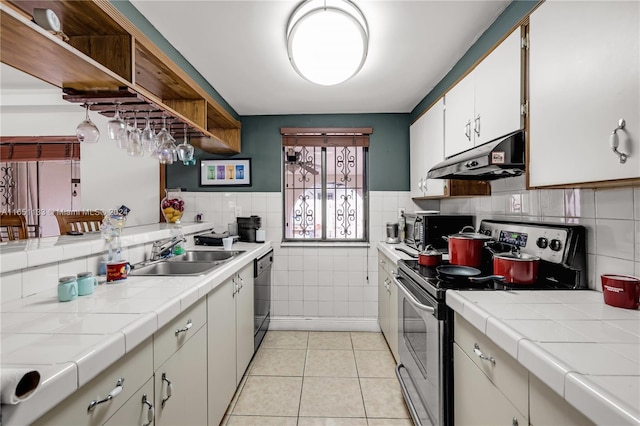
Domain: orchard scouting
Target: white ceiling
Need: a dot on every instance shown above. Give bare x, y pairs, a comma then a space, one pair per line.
239, 47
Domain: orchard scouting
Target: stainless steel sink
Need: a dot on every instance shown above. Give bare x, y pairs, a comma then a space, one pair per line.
190, 263
166, 267
205, 256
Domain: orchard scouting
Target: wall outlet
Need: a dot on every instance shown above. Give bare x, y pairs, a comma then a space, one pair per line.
238, 211
401, 211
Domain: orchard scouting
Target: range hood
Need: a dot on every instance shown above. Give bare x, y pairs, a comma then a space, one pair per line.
500, 158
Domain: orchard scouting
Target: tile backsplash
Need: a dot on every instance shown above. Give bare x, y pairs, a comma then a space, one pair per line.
611, 216
341, 282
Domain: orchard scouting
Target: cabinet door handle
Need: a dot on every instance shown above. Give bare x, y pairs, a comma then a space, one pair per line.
382, 262
514, 421
115, 392
467, 130
481, 355
614, 141
169, 389
151, 412
186, 327
241, 282
476, 125
235, 286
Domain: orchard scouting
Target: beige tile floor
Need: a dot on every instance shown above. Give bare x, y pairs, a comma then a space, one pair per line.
320, 378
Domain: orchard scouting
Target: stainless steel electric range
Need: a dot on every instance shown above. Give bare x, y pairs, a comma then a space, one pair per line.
425, 368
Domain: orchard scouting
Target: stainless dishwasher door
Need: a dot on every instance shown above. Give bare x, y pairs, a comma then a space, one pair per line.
262, 296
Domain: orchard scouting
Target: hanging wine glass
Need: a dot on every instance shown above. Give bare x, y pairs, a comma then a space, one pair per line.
123, 136
166, 149
148, 136
87, 131
135, 147
115, 125
173, 142
185, 149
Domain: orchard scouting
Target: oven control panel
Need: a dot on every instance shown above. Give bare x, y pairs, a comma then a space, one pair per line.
548, 243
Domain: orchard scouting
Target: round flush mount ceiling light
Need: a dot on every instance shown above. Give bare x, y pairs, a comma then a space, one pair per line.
327, 40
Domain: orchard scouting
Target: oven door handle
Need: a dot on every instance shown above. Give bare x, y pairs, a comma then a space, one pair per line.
407, 396
412, 299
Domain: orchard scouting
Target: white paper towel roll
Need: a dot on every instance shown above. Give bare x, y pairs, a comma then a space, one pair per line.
18, 384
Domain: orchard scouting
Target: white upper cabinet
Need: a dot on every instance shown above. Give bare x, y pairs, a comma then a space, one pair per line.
486, 103
427, 150
584, 78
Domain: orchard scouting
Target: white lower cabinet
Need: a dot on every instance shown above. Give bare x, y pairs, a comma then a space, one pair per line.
230, 339
388, 302
477, 401
138, 410
181, 384
128, 374
244, 320
490, 387
547, 407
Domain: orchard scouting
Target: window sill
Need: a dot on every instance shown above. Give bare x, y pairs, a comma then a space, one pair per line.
325, 244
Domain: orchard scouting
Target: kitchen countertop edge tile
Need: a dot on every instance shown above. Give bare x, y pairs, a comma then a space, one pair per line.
598, 403
117, 344
568, 383
57, 383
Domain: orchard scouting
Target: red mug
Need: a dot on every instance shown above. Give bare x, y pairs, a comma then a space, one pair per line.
117, 270
621, 291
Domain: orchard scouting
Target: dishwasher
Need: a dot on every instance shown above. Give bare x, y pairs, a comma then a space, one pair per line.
262, 296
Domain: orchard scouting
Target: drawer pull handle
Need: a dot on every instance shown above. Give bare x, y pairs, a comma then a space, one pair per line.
186, 327
115, 392
478, 352
151, 412
169, 389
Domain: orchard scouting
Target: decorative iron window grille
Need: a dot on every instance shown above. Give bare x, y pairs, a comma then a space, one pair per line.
325, 187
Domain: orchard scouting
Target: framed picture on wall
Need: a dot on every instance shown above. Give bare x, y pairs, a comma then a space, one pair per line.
232, 172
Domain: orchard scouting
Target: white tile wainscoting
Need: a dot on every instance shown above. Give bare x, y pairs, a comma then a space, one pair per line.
337, 286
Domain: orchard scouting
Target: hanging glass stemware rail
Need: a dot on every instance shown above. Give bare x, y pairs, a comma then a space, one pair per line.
129, 104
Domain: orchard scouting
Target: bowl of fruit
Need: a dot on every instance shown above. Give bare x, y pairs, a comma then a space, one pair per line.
172, 207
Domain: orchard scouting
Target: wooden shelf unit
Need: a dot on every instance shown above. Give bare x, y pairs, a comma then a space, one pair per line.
461, 188
106, 60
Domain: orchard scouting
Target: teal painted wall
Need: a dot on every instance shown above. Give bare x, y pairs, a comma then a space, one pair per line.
261, 141
517, 10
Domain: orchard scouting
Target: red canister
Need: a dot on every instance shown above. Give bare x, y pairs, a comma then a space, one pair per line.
621, 291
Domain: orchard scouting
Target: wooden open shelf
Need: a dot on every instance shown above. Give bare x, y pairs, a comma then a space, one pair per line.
107, 60
461, 188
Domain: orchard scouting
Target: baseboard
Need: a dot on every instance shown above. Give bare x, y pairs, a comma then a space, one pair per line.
324, 324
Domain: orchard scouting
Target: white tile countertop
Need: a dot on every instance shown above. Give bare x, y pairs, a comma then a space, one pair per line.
586, 351
70, 343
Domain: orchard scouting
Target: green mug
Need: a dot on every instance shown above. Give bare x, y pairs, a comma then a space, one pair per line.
67, 289
86, 282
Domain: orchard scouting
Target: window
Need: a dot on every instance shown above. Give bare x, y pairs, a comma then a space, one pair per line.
325, 184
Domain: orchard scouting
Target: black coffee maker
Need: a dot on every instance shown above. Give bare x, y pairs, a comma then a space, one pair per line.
247, 228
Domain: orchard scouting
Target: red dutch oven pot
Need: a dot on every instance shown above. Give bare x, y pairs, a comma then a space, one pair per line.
517, 268
466, 248
430, 257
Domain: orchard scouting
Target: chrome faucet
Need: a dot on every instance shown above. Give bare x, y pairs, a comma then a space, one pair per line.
162, 248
